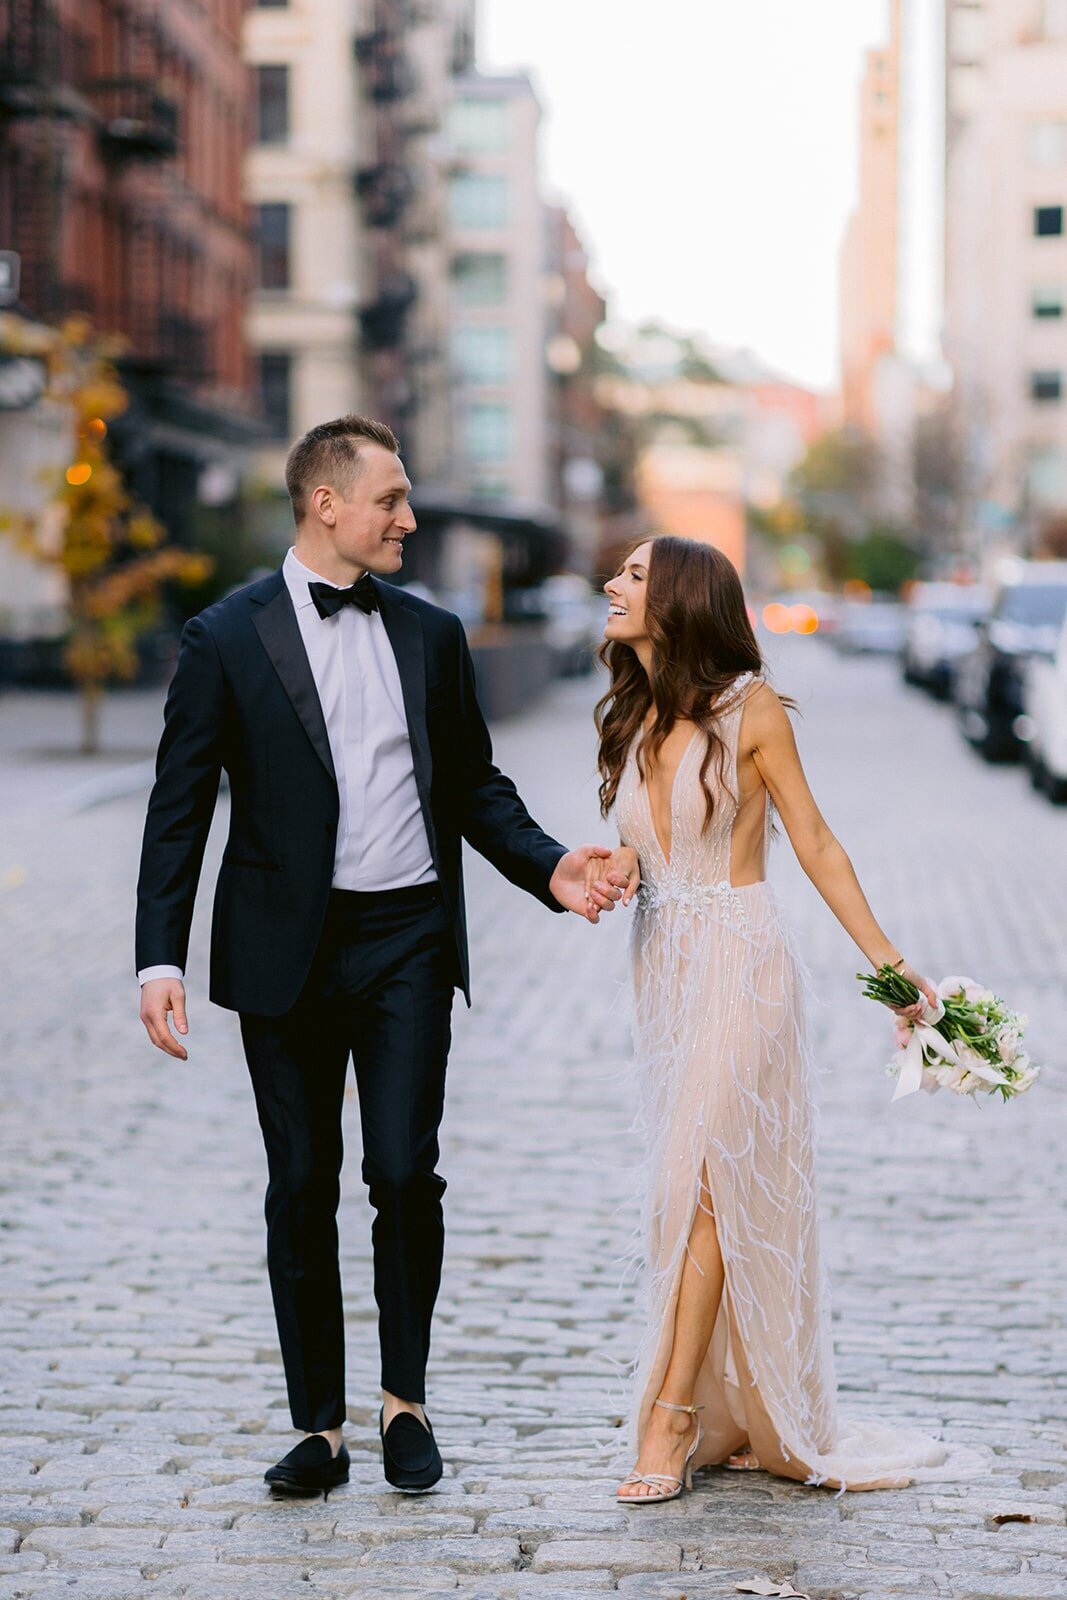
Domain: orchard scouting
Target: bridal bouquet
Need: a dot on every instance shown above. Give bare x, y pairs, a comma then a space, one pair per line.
970, 1042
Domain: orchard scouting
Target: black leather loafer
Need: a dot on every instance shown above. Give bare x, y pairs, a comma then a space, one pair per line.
410, 1455
309, 1469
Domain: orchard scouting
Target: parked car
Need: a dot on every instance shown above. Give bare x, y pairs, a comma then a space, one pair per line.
939, 631
573, 618
988, 684
870, 627
1045, 726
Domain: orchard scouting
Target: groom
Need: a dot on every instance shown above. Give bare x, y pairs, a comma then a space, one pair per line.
344, 713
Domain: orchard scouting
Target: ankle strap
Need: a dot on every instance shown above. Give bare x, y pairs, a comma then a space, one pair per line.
668, 1405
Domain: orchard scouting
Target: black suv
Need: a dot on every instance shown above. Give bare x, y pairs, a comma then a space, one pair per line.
988, 683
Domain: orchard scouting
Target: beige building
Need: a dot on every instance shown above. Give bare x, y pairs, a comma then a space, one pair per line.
498, 329
869, 254
345, 182
1006, 259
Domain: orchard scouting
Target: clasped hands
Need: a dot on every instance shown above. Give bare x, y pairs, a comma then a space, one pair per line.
587, 881
592, 879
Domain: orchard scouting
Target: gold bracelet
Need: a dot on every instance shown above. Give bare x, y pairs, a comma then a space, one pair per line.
899, 962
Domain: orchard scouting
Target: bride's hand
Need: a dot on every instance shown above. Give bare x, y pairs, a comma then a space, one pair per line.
622, 871
925, 987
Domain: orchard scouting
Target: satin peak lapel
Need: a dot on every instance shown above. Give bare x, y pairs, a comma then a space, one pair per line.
276, 624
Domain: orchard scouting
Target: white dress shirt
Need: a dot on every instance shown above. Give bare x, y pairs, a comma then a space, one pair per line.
381, 837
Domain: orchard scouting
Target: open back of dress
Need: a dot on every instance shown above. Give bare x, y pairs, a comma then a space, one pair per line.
725, 1085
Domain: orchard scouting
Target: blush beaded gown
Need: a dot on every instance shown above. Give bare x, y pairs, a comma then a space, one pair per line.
725, 1088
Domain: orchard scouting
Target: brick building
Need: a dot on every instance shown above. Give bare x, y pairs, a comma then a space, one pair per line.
123, 125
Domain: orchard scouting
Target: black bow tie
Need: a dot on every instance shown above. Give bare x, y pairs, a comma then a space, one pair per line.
328, 600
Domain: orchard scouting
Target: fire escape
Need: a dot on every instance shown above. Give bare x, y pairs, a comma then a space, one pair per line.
50, 98
43, 70
387, 190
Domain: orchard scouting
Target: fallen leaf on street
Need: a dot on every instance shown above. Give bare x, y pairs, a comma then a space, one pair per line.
768, 1587
1011, 1516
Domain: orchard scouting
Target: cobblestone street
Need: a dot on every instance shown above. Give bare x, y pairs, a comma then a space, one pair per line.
141, 1392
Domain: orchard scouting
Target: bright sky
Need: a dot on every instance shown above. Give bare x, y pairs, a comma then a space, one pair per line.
708, 150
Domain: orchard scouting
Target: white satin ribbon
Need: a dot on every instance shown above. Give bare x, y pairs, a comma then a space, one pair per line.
924, 1038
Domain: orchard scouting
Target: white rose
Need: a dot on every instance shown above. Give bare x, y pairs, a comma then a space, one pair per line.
1008, 1043
951, 988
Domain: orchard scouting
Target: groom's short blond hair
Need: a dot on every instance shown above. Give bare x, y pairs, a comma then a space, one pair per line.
329, 453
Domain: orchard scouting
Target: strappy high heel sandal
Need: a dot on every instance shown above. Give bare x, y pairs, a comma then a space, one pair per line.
663, 1485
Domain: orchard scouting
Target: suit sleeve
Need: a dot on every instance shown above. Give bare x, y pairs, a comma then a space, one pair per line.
493, 818
182, 803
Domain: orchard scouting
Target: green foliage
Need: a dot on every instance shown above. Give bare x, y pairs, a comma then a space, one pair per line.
840, 462
882, 559
835, 501
111, 550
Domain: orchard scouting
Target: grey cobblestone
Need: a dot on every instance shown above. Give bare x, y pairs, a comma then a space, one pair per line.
141, 1394
461, 1555
625, 1555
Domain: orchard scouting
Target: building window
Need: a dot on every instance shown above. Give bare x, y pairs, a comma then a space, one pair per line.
1047, 476
272, 104
1048, 144
480, 279
275, 391
1048, 300
1054, 19
480, 127
482, 354
1048, 222
488, 432
479, 200
1046, 385
272, 237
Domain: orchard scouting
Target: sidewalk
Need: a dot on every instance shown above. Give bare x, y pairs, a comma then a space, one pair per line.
141, 1394
40, 735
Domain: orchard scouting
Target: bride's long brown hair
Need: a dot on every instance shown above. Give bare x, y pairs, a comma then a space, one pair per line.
702, 641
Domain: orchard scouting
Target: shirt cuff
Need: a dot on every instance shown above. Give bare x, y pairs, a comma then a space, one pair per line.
146, 974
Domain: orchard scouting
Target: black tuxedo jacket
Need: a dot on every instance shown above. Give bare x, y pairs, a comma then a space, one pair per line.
243, 701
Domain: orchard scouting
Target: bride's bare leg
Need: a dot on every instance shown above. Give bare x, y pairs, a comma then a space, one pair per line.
669, 1434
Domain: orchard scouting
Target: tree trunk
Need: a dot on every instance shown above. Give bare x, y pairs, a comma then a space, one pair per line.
91, 696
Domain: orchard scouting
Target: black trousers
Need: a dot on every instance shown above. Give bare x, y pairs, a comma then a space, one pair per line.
380, 991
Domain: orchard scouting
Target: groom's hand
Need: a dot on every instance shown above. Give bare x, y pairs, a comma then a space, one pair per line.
567, 884
161, 997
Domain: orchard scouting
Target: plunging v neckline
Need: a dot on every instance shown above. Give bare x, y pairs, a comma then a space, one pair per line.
665, 855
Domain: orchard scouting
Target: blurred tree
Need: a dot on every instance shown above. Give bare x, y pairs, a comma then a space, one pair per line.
937, 472
655, 427
779, 523
838, 479
836, 490
694, 364
110, 549
881, 558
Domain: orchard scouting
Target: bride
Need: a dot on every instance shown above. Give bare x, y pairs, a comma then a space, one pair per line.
696, 755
